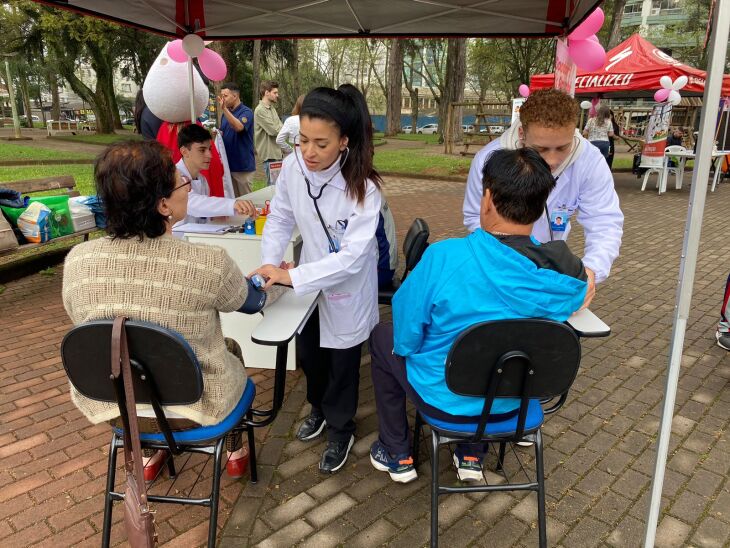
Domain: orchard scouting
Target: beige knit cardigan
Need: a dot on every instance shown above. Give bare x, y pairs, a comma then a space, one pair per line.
173, 283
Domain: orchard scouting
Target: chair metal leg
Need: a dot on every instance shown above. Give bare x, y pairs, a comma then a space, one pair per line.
500, 457
215, 492
540, 472
434, 489
416, 449
171, 466
254, 476
108, 502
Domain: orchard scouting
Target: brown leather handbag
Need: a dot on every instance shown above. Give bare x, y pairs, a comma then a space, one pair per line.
139, 520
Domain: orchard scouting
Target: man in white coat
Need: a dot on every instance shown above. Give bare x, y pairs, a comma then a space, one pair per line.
195, 142
584, 183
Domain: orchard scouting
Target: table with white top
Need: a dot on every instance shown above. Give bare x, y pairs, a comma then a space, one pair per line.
717, 156
586, 324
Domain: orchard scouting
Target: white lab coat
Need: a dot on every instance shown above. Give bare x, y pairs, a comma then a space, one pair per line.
201, 205
348, 305
288, 133
585, 186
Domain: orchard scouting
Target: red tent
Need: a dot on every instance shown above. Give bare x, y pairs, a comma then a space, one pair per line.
633, 68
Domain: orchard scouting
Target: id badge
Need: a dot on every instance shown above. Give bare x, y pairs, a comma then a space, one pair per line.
559, 219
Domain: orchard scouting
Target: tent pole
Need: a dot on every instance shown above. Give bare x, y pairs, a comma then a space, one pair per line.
193, 118
688, 262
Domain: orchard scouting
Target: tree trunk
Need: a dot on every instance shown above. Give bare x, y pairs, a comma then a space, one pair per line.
25, 96
55, 100
615, 35
106, 111
295, 82
454, 90
414, 109
394, 84
256, 76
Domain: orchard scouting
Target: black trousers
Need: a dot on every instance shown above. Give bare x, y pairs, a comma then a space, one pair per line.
333, 380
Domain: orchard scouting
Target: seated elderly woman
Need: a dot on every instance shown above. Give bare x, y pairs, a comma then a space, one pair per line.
140, 271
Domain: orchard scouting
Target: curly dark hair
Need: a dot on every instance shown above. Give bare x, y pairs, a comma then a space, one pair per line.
550, 108
520, 182
131, 178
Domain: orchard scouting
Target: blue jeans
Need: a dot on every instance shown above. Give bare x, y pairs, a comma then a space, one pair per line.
603, 146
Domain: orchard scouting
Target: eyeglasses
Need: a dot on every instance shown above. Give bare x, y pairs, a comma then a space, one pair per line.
185, 182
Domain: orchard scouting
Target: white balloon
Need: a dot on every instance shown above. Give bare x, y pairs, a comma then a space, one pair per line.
674, 97
585, 105
193, 45
666, 82
680, 82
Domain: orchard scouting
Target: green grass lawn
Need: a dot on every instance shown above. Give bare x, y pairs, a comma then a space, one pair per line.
94, 139
13, 151
419, 162
427, 139
83, 173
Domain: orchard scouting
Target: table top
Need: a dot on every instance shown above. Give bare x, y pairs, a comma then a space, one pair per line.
284, 319
692, 154
587, 324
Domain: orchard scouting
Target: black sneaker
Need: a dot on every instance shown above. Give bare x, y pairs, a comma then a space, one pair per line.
723, 340
335, 456
312, 426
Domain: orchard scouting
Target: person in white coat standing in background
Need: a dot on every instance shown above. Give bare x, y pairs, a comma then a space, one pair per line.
289, 132
331, 191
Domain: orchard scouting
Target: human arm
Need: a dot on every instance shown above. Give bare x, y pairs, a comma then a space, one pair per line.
600, 215
268, 121
245, 208
284, 133
473, 193
234, 122
200, 205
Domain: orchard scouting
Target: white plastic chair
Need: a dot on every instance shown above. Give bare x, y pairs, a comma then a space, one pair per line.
649, 171
679, 169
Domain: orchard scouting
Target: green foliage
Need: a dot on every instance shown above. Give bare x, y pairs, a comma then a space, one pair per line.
50, 271
82, 173
12, 151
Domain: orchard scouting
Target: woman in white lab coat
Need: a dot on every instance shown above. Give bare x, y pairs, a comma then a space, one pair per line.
330, 190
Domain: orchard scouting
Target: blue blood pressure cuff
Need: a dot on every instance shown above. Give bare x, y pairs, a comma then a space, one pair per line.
255, 299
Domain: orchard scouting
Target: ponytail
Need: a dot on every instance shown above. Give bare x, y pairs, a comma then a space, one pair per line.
347, 108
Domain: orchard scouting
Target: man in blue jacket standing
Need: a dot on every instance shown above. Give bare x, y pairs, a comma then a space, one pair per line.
498, 272
584, 184
237, 129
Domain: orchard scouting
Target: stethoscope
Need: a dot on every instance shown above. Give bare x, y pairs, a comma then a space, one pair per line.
332, 246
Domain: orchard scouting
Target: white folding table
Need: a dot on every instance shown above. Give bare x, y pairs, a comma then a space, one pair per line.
717, 156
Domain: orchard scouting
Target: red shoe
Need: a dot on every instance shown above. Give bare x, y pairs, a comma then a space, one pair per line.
236, 468
154, 465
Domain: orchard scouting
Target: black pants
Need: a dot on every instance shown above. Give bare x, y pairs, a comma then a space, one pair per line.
333, 380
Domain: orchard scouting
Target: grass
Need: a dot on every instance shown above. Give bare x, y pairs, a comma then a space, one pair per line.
12, 151
420, 162
426, 139
83, 173
94, 139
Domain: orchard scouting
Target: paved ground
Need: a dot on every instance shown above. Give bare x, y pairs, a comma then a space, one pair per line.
599, 454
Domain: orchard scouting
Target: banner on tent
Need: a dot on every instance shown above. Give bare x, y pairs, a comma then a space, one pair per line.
657, 131
565, 69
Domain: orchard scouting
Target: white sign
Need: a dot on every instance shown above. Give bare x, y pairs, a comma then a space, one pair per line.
565, 69
516, 104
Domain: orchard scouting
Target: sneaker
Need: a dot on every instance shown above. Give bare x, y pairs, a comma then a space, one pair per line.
335, 455
400, 467
525, 443
468, 467
312, 426
723, 340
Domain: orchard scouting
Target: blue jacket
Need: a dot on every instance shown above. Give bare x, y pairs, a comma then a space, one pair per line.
239, 145
460, 282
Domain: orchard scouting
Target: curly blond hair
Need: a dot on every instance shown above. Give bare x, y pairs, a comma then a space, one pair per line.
550, 108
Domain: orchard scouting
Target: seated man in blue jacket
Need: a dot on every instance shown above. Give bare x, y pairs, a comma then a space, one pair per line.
497, 272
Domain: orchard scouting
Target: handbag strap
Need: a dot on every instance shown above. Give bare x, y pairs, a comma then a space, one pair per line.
132, 445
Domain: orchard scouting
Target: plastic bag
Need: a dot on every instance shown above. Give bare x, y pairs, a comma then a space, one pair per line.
35, 223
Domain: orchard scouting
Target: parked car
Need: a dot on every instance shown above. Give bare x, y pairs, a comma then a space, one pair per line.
428, 129
496, 129
467, 128
407, 129
128, 122
32, 117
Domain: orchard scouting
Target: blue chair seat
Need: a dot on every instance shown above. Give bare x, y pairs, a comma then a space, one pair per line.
533, 421
204, 434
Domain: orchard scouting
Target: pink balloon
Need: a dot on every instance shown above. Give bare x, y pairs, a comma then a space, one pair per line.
212, 65
591, 25
587, 54
524, 90
661, 95
593, 37
176, 52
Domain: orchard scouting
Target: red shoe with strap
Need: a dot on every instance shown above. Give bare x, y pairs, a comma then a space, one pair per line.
236, 468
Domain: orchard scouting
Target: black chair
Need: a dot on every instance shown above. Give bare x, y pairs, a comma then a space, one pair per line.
414, 244
534, 360
166, 372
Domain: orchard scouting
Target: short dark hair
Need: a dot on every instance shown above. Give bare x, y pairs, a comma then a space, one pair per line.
267, 85
192, 134
131, 179
520, 182
232, 86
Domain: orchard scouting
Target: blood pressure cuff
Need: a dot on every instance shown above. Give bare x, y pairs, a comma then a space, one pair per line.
255, 299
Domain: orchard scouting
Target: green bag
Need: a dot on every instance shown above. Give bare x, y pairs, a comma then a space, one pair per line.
61, 222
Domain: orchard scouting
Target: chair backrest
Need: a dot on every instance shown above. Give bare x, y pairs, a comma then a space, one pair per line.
673, 149
415, 243
551, 350
169, 364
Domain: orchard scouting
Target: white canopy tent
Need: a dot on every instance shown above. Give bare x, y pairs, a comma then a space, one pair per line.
236, 19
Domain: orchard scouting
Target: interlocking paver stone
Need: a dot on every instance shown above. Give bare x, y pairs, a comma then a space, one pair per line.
599, 448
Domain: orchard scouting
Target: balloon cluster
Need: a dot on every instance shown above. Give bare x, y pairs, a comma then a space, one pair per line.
583, 45
670, 90
211, 64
